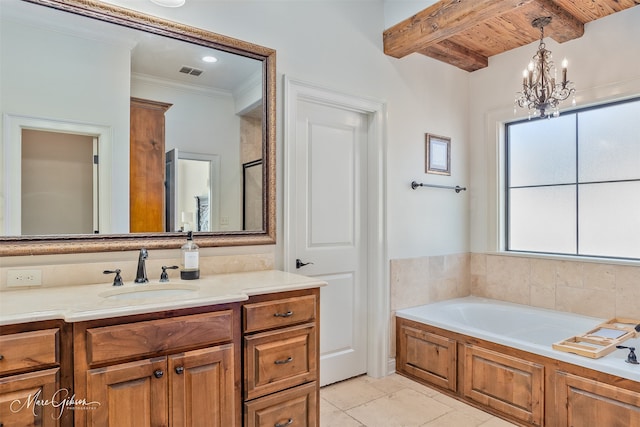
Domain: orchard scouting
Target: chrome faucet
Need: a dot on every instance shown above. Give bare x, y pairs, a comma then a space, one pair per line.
141, 274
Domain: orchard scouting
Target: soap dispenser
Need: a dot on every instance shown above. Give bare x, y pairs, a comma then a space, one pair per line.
190, 259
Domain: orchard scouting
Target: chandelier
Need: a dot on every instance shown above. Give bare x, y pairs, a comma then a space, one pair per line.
540, 92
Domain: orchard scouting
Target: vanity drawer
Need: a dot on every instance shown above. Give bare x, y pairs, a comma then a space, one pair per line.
119, 342
278, 313
279, 359
294, 407
28, 350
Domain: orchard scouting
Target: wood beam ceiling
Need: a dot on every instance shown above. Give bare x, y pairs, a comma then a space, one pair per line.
465, 33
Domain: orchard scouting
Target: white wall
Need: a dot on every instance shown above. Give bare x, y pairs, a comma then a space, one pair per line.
398, 10
604, 64
37, 86
338, 44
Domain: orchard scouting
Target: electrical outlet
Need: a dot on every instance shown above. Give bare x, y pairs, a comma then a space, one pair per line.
17, 278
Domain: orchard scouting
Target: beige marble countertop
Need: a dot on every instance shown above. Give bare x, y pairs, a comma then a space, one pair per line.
90, 302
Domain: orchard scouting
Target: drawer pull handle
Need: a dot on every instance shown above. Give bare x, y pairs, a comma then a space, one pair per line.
287, 314
284, 424
179, 370
158, 373
284, 361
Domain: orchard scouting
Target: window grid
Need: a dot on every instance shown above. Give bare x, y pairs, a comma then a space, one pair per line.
577, 184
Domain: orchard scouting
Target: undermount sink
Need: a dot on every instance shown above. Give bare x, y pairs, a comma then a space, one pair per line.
149, 291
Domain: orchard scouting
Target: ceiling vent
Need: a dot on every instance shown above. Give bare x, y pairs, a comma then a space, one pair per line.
190, 70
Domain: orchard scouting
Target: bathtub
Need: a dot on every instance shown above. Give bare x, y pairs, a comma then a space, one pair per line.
522, 327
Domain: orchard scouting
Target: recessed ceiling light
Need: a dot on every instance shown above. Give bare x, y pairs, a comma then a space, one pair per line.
209, 58
168, 3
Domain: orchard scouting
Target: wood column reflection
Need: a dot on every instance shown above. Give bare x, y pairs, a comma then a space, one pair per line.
147, 166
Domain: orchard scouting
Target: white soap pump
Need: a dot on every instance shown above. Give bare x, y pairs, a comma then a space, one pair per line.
190, 259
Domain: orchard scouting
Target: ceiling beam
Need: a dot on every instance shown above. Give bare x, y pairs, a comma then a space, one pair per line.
440, 21
456, 55
429, 32
563, 26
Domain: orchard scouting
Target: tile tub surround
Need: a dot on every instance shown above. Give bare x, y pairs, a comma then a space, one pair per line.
418, 281
588, 288
423, 280
594, 289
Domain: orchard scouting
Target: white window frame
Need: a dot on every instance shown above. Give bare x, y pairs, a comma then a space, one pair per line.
494, 136
574, 184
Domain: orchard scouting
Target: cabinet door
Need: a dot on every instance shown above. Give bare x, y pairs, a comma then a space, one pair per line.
427, 356
279, 359
22, 397
508, 384
129, 395
296, 407
585, 402
202, 391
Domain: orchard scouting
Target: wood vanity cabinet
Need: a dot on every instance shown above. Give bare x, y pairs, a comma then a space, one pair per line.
281, 359
34, 371
173, 369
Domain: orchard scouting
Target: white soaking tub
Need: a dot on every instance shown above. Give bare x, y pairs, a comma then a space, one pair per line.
523, 327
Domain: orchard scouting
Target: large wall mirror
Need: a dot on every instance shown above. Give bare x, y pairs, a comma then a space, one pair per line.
121, 129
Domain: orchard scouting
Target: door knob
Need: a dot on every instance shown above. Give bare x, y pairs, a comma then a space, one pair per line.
300, 264
158, 373
179, 369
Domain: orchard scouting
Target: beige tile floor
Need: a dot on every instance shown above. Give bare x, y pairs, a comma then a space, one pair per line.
395, 401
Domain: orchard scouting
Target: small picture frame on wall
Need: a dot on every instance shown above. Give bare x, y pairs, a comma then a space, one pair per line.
437, 154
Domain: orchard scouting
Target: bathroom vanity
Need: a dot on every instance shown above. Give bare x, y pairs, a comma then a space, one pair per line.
239, 349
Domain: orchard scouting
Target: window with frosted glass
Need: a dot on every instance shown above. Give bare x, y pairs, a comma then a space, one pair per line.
573, 183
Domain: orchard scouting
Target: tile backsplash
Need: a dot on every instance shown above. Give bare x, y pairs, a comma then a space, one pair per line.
72, 270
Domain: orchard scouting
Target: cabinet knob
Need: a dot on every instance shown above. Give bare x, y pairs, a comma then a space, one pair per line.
283, 361
284, 424
158, 373
179, 369
287, 314
1, 357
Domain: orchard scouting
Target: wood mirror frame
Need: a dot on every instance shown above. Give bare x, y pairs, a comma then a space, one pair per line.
60, 244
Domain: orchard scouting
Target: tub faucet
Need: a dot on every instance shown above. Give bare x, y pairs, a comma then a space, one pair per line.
141, 274
631, 358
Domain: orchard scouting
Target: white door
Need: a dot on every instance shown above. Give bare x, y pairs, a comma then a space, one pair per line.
330, 229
